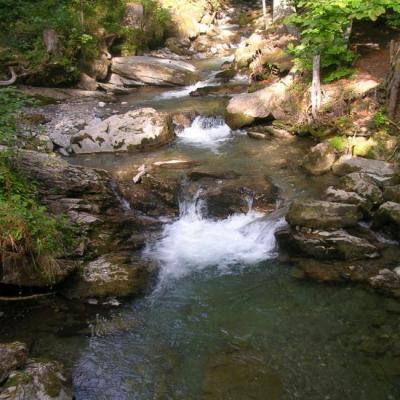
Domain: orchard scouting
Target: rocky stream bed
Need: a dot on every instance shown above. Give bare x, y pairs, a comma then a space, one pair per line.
214, 261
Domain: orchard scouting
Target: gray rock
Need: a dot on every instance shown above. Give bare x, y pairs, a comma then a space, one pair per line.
320, 159
111, 275
364, 185
136, 129
392, 193
37, 381
386, 281
337, 244
12, 356
155, 71
346, 165
342, 196
322, 214
388, 214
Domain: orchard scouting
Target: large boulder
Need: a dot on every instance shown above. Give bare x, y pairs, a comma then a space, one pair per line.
111, 275
392, 193
322, 214
346, 165
39, 380
320, 159
388, 217
363, 185
133, 130
244, 109
12, 356
155, 71
337, 244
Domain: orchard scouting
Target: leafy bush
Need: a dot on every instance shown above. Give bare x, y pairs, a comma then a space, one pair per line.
325, 26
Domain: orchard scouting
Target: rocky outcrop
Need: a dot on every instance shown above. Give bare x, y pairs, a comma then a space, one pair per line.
155, 71
322, 214
320, 159
244, 109
90, 201
138, 129
342, 196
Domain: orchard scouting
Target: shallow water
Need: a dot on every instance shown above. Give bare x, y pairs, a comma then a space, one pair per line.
227, 320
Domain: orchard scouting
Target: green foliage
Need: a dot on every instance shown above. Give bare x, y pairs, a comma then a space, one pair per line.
381, 120
25, 226
81, 26
324, 26
338, 142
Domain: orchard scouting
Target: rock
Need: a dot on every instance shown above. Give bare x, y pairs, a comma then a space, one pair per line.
111, 275
363, 185
244, 109
134, 15
392, 193
87, 83
388, 217
175, 164
320, 159
386, 281
138, 129
39, 380
179, 46
346, 165
257, 135
322, 214
155, 71
337, 244
342, 196
12, 356
99, 68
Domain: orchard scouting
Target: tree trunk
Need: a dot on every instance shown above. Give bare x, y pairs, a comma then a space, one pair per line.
316, 87
264, 3
51, 41
282, 9
393, 82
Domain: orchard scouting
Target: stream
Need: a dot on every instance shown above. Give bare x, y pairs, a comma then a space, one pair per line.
227, 319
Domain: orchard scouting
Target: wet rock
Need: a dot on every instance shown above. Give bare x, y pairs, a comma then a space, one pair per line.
12, 356
320, 159
183, 120
387, 281
363, 185
133, 130
155, 71
39, 380
388, 217
392, 193
322, 214
112, 275
337, 244
258, 135
175, 164
347, 165
227, 90
244, 109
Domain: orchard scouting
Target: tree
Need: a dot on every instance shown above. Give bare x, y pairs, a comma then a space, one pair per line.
282, 9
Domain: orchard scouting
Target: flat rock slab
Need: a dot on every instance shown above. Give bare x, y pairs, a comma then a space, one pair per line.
346, 165
135, 129
155, 71
322, 214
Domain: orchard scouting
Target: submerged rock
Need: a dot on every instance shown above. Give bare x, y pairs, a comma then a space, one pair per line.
320, 159
133, 130
155, 71
12, 356
322, 214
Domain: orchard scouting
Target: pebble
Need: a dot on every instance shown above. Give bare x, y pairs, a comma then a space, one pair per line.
101, 104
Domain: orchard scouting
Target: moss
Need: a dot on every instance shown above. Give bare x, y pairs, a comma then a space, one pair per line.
339, 143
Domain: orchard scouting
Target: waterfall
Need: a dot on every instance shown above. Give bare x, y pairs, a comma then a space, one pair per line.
195, 242
208, 132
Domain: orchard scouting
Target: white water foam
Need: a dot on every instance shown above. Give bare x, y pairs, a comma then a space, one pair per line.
209, 132
194, 242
